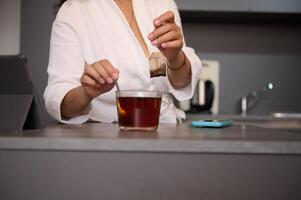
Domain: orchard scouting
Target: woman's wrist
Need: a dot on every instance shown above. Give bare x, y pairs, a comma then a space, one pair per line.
179, 72
178, 62
85, 95
75, 102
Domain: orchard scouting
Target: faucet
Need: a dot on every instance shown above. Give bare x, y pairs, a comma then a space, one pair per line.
248, 101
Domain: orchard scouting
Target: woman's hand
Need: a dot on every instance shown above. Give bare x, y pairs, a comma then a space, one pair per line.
167, 36
98, 78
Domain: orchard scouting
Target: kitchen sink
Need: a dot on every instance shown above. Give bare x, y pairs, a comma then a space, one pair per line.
269, 122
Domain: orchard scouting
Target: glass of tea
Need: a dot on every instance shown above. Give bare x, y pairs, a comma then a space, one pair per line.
138, 110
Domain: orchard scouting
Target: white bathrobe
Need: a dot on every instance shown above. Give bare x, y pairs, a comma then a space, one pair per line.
92, 30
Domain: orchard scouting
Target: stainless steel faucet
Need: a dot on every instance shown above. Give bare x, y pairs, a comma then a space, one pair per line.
248, 101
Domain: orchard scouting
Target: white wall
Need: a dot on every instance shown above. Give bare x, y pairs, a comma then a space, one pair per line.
10, 17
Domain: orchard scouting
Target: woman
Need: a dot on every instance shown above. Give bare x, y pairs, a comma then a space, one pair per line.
94, 43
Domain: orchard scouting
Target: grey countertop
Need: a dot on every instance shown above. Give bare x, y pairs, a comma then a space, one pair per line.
239, 138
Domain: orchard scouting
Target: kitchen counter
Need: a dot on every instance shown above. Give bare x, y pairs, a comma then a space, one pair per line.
98, 161
240, 138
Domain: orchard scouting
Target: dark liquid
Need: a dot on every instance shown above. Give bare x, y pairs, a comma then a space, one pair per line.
138, 111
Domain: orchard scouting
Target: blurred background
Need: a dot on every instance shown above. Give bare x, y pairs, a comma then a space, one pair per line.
253, 41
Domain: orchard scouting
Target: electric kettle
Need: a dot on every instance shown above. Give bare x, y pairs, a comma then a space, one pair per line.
206, 94
202, 100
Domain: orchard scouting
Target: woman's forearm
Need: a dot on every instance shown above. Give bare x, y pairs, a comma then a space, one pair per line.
75, 103
179, 71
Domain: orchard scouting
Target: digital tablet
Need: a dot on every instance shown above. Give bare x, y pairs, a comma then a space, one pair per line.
20, 107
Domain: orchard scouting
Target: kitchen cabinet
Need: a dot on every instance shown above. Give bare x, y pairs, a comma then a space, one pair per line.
98, 161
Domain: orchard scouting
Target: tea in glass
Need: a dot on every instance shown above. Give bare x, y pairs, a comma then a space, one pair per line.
138, 110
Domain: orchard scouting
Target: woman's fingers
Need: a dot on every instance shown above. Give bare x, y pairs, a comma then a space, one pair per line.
88, 81
93, 73
172, 44
167, 33
99, 67
168, 37
99, 78
163, 30
102, 72
167, 17
112, 72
